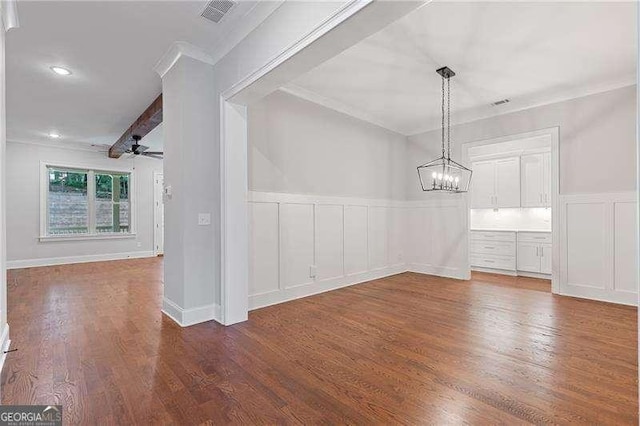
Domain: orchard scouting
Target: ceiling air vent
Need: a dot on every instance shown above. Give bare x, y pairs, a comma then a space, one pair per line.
217, 9
503, 101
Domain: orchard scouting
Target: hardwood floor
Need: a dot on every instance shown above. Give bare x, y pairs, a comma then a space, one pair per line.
406, 349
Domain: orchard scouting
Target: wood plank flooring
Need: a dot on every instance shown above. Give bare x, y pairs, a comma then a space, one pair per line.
408, 349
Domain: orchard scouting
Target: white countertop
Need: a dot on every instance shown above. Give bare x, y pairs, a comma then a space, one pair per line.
547, 231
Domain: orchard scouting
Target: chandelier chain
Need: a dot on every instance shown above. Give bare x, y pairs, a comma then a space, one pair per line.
449, 118
442, 107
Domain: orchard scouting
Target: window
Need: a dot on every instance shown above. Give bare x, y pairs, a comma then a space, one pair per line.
86, 203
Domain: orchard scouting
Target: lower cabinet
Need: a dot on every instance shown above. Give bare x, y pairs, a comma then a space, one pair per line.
493, 249
534, 252
511, 251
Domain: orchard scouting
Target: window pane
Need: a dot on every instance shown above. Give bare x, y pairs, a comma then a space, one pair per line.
112, 202
124, 203
67, 202
104, 203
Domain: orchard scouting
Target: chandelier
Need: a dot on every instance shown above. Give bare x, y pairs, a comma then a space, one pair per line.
443, 174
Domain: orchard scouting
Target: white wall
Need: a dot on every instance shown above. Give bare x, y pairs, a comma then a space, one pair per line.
296, 146
597, 140
23, 213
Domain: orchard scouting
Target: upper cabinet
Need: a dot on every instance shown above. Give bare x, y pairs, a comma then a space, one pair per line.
536, 180
496, 183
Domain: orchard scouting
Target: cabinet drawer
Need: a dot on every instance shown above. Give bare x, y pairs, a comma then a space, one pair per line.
495, 262
504, 248
493, 235
534, 237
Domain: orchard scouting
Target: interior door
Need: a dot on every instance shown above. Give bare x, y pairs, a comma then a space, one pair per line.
532, 188
158, 213
528, 257
507, 182
483, 185
545, 258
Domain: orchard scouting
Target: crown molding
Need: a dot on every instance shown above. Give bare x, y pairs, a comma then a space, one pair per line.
176, 51
468, 116
9, 14
243, 25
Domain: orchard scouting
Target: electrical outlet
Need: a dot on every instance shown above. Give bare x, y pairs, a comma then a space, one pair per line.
204, 219
312, 271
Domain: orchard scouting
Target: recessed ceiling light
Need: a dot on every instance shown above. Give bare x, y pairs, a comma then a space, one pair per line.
54, 135
61, 71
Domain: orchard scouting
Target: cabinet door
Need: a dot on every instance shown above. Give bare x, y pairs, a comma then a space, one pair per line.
507, 182
483, 185
528, 257
545, 258
546, 178
532, 184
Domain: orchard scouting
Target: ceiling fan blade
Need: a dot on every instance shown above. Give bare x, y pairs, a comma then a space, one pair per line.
153, 153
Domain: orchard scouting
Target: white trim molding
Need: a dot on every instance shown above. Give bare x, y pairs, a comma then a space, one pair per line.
191, 316
53, 261
5, 343
176, 51
9, 9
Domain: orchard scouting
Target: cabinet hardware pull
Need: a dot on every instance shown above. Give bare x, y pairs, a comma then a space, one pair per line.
541, 251
537, 249
489, 247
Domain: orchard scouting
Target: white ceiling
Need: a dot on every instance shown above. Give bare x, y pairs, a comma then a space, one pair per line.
530, 52
111, 48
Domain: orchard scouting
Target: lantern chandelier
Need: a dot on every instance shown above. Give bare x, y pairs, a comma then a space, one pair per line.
443, 174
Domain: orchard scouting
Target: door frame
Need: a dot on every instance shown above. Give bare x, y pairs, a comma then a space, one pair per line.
554, 135
157, 202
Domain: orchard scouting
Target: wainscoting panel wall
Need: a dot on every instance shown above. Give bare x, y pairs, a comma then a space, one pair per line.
598, 251
302, 245
436, 240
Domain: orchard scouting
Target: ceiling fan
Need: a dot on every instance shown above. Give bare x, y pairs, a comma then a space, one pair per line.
137, 149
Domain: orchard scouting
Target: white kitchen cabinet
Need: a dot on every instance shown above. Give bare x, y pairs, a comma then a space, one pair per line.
483, 184
546, 178
534, 252
493, 250
508, 182
536, 180
545, 259
528, 259
496, 183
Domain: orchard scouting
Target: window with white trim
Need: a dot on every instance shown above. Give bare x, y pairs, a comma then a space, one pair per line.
86, 202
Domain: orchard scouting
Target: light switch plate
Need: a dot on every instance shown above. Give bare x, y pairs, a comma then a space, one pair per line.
204, 219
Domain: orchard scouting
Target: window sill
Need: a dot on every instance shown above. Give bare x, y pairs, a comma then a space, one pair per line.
105, 236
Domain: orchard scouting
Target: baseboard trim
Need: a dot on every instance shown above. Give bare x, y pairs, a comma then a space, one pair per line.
262, 300
508, 272
534, 275
5, 342
52, 261
601, 295
440, 271
191, 316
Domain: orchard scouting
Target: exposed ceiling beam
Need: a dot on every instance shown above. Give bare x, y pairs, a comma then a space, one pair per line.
147, 121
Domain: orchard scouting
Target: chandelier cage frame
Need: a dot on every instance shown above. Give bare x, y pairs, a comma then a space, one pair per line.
444, 174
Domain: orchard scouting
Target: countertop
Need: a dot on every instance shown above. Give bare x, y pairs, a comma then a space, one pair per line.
510, 230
